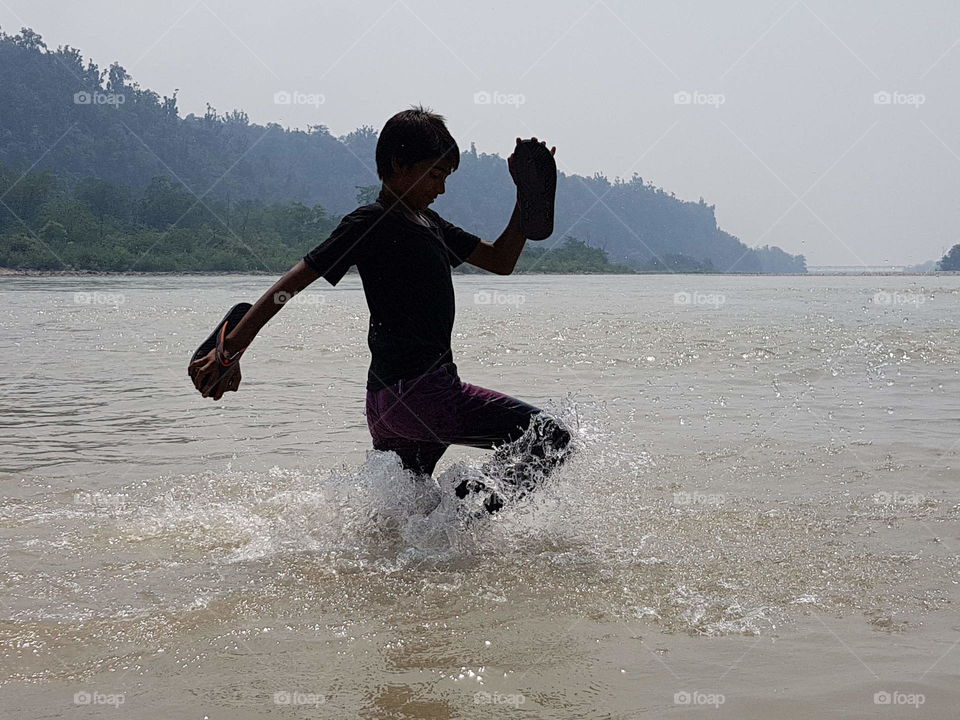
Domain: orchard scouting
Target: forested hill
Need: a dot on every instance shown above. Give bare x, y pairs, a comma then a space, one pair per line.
82, 122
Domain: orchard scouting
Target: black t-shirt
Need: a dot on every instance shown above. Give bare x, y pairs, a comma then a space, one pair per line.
405, 270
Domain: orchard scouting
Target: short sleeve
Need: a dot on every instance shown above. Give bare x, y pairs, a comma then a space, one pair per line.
344, 247
458, 242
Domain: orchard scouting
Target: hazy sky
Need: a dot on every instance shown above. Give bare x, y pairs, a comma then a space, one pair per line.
780, 126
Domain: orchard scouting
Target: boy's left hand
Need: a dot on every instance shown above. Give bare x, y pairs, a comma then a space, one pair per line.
510, 161
213, 380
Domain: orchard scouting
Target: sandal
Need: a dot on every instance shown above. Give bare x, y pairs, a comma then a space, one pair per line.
536, 188
226, 366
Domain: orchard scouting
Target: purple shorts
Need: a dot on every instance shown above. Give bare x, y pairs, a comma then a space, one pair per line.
421, 417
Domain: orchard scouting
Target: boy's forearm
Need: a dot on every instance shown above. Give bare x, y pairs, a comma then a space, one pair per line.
511, 241
295, 280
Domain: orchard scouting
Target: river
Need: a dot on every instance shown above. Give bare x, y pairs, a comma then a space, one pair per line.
762, 519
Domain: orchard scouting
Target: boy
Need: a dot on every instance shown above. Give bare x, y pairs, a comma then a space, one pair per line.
416, 404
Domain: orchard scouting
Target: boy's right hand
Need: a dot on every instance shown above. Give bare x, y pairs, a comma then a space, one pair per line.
511, 163
211, 378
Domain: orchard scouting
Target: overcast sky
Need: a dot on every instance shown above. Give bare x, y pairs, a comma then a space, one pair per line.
767, 109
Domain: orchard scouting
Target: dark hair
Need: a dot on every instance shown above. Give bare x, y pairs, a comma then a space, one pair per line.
412, 136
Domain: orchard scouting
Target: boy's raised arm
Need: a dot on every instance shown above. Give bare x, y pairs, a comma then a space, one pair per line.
501, 256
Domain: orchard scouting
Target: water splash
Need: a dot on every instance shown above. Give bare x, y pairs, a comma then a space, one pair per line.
604, 535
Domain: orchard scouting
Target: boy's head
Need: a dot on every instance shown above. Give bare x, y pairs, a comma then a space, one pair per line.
415, 154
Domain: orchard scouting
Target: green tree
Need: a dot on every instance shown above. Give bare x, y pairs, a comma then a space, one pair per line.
53, 232
950, 261
221, 156
104, 199
367, 194
165, 205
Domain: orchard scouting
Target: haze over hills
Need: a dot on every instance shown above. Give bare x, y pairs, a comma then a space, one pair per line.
77, 122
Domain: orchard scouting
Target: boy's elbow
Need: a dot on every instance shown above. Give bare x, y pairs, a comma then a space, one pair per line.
506, 265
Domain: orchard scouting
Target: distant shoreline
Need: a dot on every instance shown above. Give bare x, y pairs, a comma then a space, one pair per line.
10, 272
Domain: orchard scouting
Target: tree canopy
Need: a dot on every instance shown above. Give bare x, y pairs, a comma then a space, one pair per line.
110, 157
950, 261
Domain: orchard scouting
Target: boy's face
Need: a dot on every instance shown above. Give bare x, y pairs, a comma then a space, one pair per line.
420, 184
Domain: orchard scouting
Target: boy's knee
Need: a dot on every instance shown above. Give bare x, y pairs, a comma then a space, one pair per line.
560, 437
552, 436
